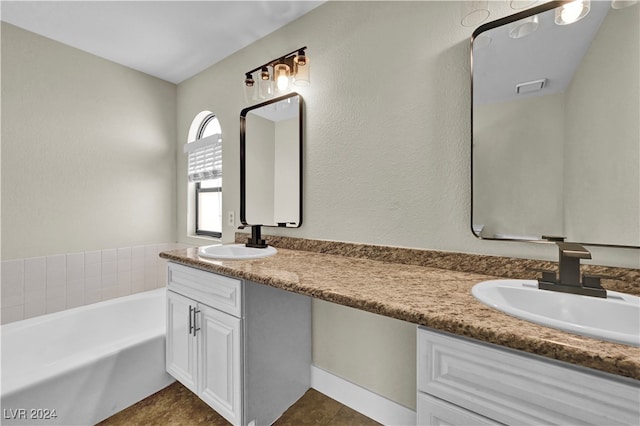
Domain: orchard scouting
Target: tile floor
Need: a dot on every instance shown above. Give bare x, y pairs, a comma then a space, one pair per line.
177, 406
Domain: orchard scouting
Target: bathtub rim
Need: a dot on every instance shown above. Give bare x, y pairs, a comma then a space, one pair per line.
67, 312
10, 385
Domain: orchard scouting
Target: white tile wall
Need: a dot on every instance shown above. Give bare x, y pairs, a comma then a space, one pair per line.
35, 286
39, 285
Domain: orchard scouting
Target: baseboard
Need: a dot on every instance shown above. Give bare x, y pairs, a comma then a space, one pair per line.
362, 400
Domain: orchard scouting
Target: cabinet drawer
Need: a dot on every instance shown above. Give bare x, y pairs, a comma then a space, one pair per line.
436, 412
211, 289
516, 388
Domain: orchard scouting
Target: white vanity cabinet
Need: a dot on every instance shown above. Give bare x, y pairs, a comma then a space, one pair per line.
242, 347
464, 382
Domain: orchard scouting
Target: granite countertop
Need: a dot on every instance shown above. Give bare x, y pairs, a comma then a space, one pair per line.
433, 297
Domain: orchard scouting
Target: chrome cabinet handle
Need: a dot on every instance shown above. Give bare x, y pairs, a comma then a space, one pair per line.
195, 322
191, 327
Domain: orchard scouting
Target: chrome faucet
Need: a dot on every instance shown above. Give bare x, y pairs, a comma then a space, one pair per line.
568, 279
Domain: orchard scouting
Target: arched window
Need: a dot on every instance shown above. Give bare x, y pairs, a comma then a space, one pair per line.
205, 169
209, 127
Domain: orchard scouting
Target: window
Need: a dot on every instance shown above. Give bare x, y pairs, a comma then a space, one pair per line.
205, 169
209, 207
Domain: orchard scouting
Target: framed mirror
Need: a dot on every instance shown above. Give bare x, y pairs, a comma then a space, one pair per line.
556, 125
271, 163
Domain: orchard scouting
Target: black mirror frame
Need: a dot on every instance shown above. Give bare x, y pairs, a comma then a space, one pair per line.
243, 166
481, 29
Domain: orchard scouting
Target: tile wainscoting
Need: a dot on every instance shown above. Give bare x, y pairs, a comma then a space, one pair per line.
41, 285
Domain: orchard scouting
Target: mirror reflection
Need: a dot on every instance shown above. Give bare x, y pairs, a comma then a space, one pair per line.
556, 132
271, 163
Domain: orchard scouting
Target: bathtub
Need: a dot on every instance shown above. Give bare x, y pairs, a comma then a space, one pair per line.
82, 365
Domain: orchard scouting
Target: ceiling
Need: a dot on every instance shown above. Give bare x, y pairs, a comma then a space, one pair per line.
171, 40
552, 52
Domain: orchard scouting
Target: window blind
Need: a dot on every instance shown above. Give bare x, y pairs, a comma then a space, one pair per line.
205, 158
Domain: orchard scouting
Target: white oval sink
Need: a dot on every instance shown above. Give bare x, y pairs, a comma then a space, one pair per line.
615, 319
236, 252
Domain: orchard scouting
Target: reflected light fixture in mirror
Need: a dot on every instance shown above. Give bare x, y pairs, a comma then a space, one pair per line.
474, 13
621, 4
292, 66
523, 27
483, 40
572, 12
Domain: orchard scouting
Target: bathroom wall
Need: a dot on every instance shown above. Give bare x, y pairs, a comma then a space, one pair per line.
386, 161
88, 177
88, 151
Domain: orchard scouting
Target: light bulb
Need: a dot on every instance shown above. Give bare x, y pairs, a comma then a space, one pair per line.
281, 74
572, 12
283, 82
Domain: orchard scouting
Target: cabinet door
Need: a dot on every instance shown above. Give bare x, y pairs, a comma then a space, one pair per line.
181, 345
219, 346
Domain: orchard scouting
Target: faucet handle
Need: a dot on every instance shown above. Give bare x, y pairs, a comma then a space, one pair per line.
547, 275
593, 281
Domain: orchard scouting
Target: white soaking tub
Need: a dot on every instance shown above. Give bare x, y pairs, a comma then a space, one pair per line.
82, 365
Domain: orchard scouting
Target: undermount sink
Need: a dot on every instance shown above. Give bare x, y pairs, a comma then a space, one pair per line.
615, 319
236, 252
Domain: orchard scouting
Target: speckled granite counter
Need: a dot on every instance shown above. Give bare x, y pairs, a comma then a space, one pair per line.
424, 295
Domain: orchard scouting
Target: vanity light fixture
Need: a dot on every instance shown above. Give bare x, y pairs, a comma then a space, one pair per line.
248, 81
572, 12
293, 65
264, 73
301, 65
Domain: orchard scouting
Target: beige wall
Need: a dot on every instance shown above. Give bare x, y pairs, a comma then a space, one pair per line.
386, 161
88, 151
